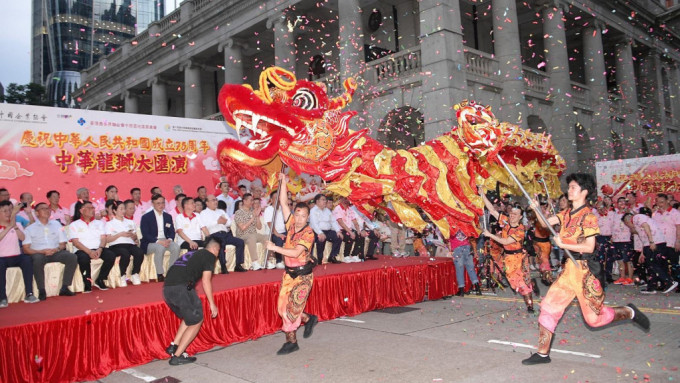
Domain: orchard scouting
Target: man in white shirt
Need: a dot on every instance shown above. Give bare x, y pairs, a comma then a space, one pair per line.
88, 235
347, 221
668, 220
326, 229
177, 210
175, 203
368, 230
653, 257
279, 227
605, 248
623, 247
224, 188
218, 224
82, 195
45, 242
189, 226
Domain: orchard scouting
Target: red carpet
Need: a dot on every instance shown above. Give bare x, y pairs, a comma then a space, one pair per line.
88, 336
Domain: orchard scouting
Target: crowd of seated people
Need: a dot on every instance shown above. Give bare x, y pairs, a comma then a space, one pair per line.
33, 234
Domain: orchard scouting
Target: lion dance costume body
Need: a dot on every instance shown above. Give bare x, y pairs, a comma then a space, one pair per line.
294, 121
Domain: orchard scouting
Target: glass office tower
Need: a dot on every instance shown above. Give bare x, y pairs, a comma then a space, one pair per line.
71, 35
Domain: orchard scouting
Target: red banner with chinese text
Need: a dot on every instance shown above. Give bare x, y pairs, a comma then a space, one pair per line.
44, 149
645, 176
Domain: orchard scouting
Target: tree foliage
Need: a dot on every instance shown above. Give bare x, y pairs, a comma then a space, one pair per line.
30, 94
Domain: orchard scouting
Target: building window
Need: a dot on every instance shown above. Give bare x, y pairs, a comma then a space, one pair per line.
317, 67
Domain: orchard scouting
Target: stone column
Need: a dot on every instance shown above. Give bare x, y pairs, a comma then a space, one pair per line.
351, 39
284, 43
654, 112
625, 80
131, 101
233, 61
596, 80
562, 123
159, 97
507, 50
193, 96
674, 84
443, 64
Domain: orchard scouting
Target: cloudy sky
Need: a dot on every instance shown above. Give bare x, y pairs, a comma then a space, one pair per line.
15, 42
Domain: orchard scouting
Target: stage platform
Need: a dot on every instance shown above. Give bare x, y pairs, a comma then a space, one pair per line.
86, 337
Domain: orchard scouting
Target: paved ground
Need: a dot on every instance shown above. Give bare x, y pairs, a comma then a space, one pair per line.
452, 340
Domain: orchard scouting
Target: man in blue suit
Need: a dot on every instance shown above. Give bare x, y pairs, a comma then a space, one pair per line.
158, 234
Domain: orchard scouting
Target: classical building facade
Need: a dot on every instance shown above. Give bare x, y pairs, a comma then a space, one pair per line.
602, 77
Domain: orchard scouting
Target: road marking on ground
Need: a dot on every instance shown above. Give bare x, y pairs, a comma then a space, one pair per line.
350, 320
139, 375
575, 303
513, 344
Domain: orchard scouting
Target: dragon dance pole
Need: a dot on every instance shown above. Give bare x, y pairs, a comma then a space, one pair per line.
276, 211
538, 211
547, 195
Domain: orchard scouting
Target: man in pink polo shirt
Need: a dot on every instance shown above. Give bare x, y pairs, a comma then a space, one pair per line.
347, 220
58, 213
11, 233
668, 220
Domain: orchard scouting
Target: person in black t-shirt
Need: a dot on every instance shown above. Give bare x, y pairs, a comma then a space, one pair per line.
181, 297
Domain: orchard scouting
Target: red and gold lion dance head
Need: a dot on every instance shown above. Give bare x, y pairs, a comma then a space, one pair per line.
290, 118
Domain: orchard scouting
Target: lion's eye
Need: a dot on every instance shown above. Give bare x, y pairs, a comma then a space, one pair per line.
305, 99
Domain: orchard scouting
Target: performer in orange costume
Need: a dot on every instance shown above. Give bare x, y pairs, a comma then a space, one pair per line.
298, 277
543, 248
578, 228
516, 258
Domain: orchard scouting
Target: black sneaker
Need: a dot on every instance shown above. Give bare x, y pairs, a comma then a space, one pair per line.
287, 348
171, 350
87, 288
100, 285
42, 294
536, 358
160, 278
65, 292
333, 260
639, 317
239, 269
309, 326
182, 359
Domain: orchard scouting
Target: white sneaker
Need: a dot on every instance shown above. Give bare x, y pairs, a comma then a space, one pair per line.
255, 265
280, 266
671, 287
396, 255
135, 280
123, 282
271, 264
532, 267
404, 255
3, 303
347, 260
355, 259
